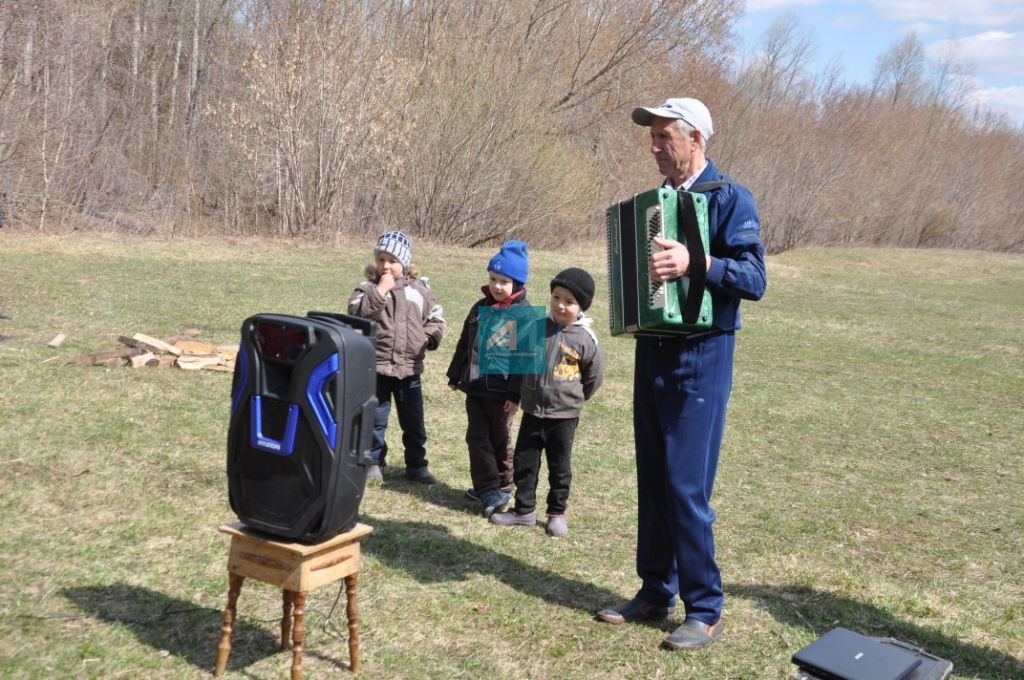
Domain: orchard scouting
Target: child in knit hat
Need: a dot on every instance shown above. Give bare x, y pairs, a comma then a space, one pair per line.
552, 402
409, 322
491, 398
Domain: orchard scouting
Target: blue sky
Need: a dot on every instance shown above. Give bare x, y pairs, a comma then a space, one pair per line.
986, 35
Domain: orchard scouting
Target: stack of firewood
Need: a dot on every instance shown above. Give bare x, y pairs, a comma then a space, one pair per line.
183, 351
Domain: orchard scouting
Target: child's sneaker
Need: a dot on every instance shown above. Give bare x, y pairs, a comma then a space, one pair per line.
557, 526
514, 519
374, 475
472, 495
493, 501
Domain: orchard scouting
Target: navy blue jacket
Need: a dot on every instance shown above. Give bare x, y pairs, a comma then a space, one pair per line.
737, 255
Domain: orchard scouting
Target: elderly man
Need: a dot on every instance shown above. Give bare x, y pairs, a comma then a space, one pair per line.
682, 387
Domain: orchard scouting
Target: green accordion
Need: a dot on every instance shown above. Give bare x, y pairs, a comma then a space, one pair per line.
640, 305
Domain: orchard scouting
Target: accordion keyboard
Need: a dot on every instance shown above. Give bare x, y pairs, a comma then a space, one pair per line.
655, 289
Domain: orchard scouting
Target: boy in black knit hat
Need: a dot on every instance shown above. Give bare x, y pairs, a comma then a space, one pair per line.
552, 401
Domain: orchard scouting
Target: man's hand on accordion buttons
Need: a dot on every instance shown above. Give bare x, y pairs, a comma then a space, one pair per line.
672, 261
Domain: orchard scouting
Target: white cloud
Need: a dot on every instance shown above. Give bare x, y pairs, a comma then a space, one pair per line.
1006, 100
981, 13
921, 28
851, 22
993, 52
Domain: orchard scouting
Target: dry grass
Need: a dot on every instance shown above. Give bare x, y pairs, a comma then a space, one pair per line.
871, 477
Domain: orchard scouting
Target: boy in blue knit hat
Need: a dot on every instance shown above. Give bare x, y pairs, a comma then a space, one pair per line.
491, 399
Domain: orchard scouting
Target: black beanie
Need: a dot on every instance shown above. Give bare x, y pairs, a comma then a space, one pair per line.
577, 282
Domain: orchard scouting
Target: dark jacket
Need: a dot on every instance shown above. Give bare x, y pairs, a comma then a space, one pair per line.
573, 371
464, 369
409, 322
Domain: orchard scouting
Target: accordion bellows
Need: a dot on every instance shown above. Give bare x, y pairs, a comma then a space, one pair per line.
638, 304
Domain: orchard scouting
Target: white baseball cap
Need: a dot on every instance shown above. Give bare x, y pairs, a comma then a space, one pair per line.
691, 111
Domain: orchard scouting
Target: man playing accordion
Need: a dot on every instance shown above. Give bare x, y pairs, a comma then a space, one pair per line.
682, 388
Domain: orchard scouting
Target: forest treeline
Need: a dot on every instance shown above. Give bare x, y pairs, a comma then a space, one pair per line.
472, 121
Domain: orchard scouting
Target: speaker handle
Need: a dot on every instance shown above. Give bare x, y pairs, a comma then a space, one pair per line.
362, 436
368, 328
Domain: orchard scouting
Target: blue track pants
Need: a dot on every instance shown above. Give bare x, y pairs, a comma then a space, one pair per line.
681, 391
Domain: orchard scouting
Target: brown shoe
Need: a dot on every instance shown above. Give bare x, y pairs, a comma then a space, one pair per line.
635, 610
694, 634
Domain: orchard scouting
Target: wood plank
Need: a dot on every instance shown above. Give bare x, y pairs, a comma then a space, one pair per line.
162, 361
155, 345
141, 360
143, 344
239, 529
193, 347
194, 362
131, 342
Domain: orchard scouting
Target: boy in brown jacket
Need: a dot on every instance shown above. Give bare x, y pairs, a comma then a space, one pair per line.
409, 322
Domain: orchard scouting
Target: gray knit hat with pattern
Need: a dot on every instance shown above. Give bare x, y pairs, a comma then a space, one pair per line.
396, 244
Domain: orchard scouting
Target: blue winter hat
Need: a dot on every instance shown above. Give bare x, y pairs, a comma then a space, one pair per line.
396, 244
511, 261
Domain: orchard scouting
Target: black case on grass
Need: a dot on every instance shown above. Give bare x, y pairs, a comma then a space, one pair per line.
302, 405
931, 667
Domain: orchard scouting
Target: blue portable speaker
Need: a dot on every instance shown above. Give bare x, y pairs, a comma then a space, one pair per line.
302, 405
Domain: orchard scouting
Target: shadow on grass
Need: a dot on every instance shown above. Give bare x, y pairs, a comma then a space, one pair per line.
819, 612
177, 626
430, 554
438, 493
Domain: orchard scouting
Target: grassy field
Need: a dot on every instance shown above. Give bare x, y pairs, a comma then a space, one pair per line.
872, 477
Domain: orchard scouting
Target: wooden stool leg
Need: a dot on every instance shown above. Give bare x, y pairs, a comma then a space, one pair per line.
224, 648
297, 635
286, 620
353, 622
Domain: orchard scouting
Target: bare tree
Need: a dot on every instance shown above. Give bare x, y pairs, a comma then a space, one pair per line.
472, 122
899, 71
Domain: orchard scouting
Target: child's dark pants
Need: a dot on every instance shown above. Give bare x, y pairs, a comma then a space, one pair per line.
408, 394
489, 437
554, 436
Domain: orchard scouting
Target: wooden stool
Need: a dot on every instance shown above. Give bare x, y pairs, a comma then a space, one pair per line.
297, 568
